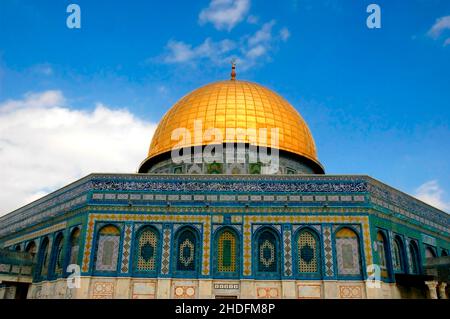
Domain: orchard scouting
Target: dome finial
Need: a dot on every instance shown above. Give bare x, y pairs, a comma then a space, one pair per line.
233, 69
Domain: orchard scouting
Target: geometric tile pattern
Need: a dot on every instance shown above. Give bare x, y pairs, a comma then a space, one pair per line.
147, 250
249, 220
328, 251
205, 220
307, 252
107, 252
226, 252
184, 292
350, 292
126, 249
268, 252
165, 260
103, 290
187, 250
348, 256
287, 247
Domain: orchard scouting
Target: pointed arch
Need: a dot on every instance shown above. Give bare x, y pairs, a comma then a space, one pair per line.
57, 256
414, 261
44, 258
398, 255
382, 252
146, 250
74, 245
31, 248
308, 252
267, 252
187, 251
107, 249
227, 251
348, 252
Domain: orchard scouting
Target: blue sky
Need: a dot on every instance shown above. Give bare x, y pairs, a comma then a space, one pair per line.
376, 100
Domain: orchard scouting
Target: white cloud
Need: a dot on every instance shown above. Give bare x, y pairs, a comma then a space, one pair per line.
439, 26
248, 50
432, 194
224, 14
447, 42
45, 145
285, 34
263, 35
180, 52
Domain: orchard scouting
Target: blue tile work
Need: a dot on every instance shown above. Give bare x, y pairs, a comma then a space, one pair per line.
81, 192
286, 204
287, 247
126, 249
165, 260
328, 251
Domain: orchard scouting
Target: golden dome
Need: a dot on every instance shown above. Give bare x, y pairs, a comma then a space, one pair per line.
240, 105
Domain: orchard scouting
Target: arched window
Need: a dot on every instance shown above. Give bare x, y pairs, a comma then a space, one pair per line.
74, 246
267, 252
444, 253
107, 248
186, 250
146, 250
31, 248
227, 252
17, 248
44, 258
308, 253
397, 255
57, 256
347, 250
381, 251
414, 258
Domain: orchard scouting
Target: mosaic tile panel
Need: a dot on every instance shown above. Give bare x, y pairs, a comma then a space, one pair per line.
226, 252
287, 247
267, 252
328, 251
307, 253
348, 256
107, 253
126, 249
147, 250
165, 260
187, 247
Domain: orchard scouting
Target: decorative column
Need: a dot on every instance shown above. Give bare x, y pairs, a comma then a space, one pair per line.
442, 294
432, 292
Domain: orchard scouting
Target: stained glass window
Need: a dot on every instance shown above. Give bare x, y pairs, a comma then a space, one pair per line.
147, 250
267, 252
186, 251
227, 252
307, 252
107, 249
347, 250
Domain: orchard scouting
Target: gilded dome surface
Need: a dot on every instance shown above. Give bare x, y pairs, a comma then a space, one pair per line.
240, 105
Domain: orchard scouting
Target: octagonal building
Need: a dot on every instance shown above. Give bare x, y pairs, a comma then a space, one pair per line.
231, 202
